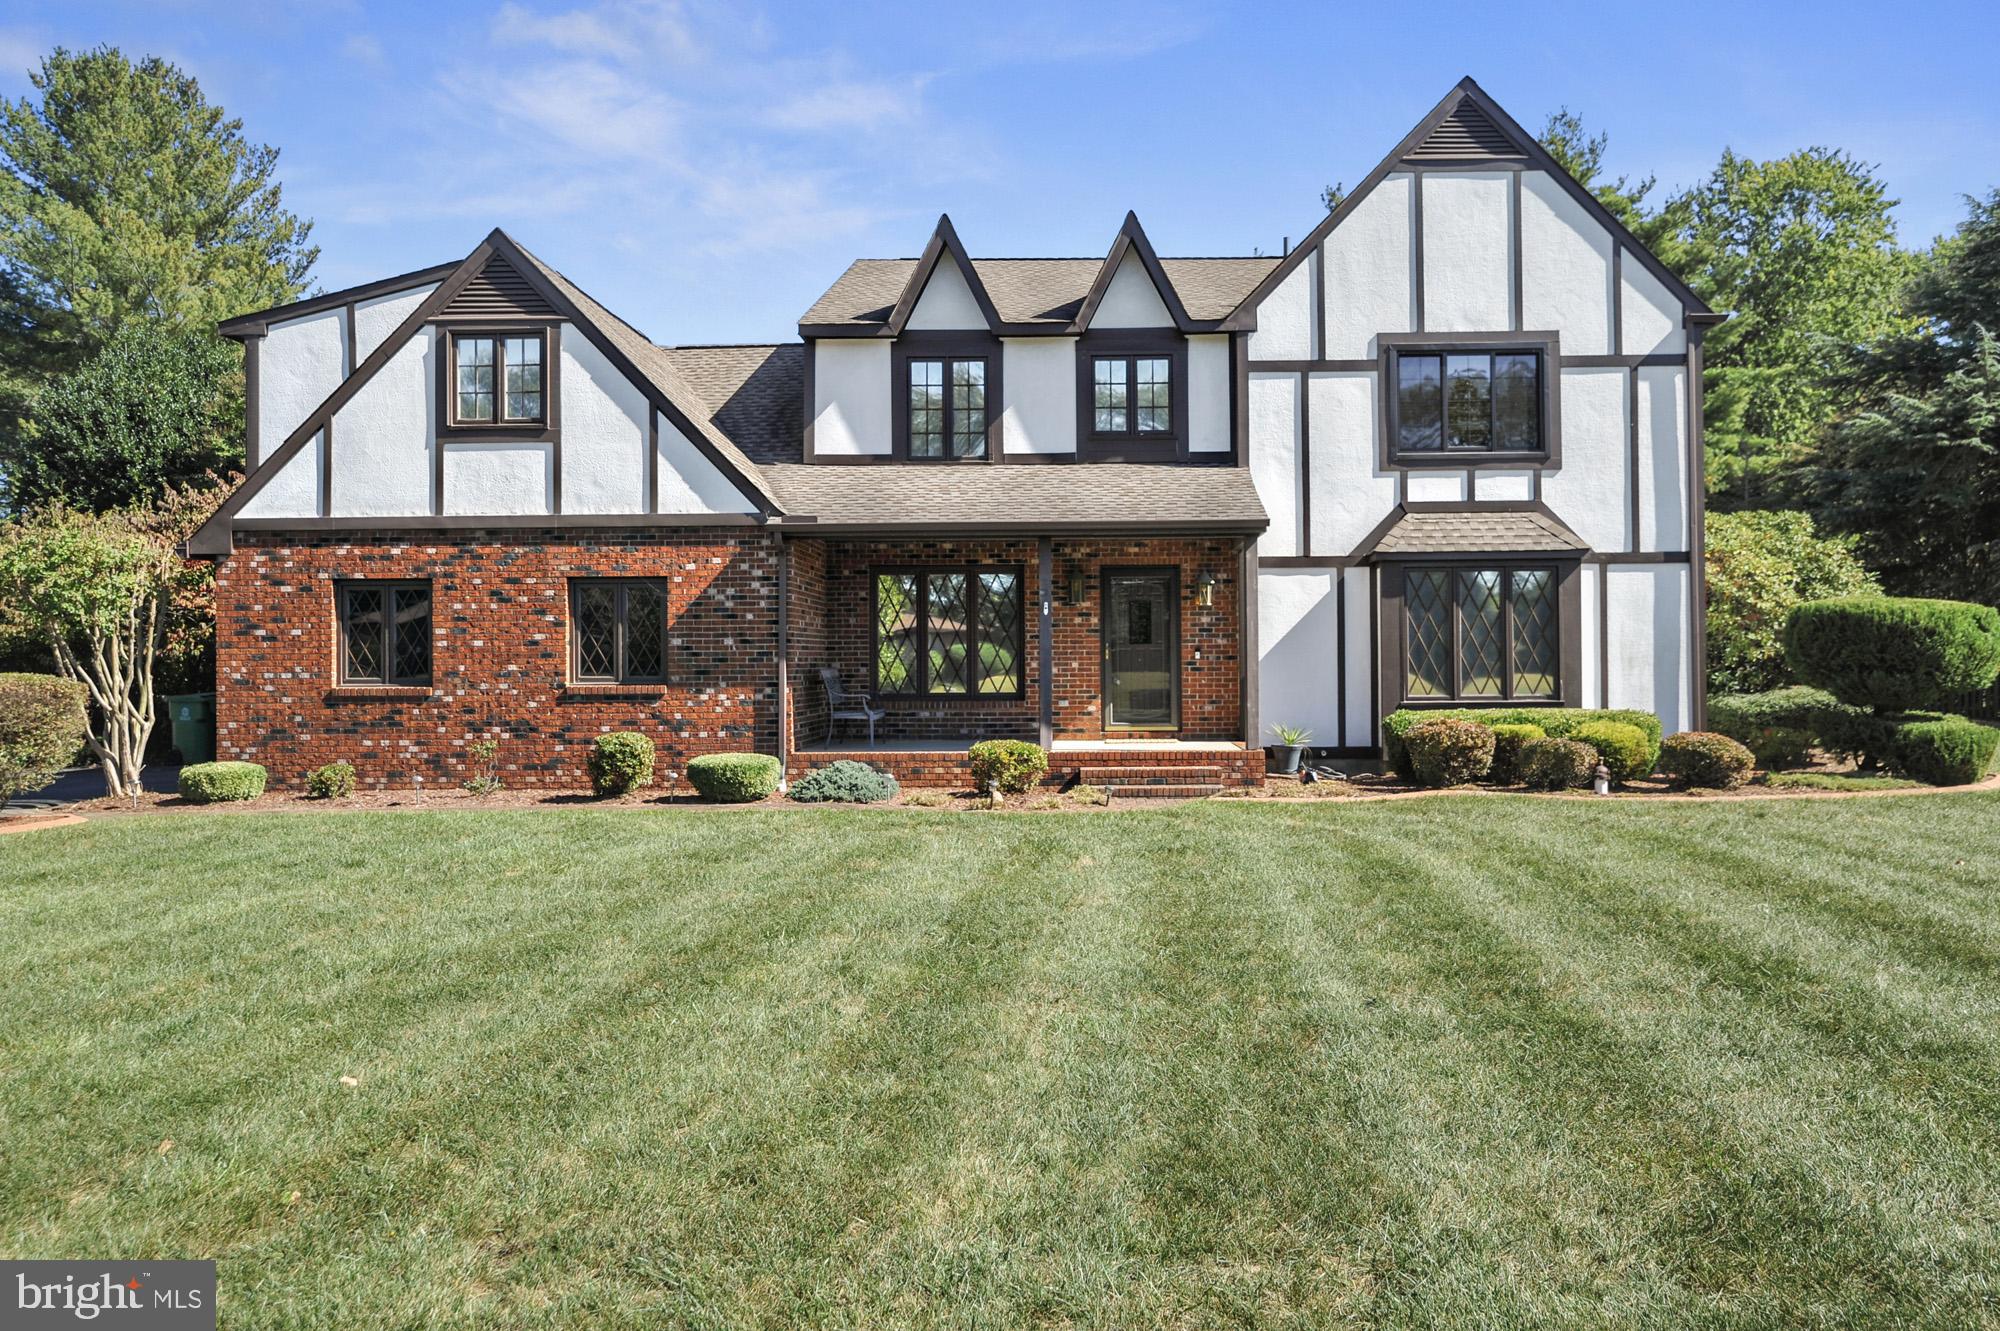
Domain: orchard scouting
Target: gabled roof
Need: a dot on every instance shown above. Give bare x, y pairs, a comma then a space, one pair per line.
874, 297
257, 322
1089, 496
1468, 128
645, 364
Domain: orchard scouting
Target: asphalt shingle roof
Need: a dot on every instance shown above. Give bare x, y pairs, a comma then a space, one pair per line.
1476, 531
754, 394
1103, 495
1029, 291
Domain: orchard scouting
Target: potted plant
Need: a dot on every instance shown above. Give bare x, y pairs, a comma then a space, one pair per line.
1290, 748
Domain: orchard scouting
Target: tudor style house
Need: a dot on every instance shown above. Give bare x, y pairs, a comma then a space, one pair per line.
1445, 451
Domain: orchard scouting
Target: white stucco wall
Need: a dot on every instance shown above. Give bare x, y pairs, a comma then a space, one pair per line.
1436, 487
1589, 493
1649, 637
1495, 486
1350, 492
299, 364
1370, 263
1297, 644
383, 437
1285, 318
1565, 267
1131, 301
1360, 615
1039, 381
375, 319
1652, 317
851, 396
1208, 394
947, 301
686, 481
496, 479
295, 491
1663, 459
1468, 252
1274, 458
604, 433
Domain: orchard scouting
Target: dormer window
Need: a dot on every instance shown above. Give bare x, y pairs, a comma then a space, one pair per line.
947, 406
1132, 395
498, 378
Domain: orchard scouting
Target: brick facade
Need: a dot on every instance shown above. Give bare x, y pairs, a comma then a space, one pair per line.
499, 622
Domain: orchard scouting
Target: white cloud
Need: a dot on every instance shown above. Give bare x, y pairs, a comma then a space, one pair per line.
850, 104
21, 49
625, 30
601, 113
364, 50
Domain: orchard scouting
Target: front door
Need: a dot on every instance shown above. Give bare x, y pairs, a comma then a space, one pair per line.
1141, 650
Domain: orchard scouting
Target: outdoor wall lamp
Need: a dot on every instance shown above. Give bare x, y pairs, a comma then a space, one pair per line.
1076, 584
1204, 589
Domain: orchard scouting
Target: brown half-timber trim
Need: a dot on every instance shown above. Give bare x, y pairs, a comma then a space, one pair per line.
253, 397
347, 366
1516, 246
808, 408
1248, 652
1305, 464
258, 322
1697, 525
1416, 245
1632, 450
326, 468
1603, 636
498, 522
1045, 646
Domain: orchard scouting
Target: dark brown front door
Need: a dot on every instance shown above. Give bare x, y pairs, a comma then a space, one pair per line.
1141, 650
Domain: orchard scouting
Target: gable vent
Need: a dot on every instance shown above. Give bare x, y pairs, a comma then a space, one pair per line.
1468, 133
498, 290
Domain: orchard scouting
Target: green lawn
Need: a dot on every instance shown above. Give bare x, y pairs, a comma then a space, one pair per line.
1452, 1062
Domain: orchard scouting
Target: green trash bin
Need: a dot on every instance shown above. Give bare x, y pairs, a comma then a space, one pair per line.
193, 715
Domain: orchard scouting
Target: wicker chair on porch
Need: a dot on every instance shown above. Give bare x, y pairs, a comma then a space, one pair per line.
844, 705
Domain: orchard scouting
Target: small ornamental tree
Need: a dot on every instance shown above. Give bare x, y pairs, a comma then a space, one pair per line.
1761, 566
97, 588
1894, 654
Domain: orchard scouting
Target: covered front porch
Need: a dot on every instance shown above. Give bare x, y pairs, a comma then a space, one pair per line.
1124, 656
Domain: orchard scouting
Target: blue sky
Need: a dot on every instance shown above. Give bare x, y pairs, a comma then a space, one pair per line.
708, 169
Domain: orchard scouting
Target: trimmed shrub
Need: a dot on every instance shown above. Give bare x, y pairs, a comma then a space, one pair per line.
1449, 752
1008, 766
1943, 751
1556, 722
1620, 747
1557, 764
1704, 759
43, 720
216, 783
734, 778
621, 763
1781, 726
845, 782
335, 781
1508, 737
1894, 653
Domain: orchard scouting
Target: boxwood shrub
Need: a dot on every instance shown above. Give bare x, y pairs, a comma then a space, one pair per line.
1557, 764
1508, 737
1010, 766
1943, 750
42, 725
1556, 722
335, 781
1620, 746
1704, 759
734, 778
1780, 726
1446, 751
215, 783
845, 782
621, 763
1894, 653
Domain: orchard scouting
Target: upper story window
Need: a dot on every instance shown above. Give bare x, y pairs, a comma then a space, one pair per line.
1453, 403
618, 631
498, 378
946, 403
1132, 395
385, 632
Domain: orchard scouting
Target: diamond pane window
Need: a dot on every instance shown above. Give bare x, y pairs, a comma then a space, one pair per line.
475, 378
1479, 654
949, 632
1482, 633
618, 631
1428, 608
385, 632
1534, 612
1468, 401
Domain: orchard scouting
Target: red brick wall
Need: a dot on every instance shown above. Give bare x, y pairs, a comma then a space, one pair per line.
842, 634
500, 621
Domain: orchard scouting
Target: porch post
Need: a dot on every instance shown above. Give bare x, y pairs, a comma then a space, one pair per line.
784, 653
1246, 613
1046, 577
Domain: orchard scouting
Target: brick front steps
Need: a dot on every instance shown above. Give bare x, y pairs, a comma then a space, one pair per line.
1180, 771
